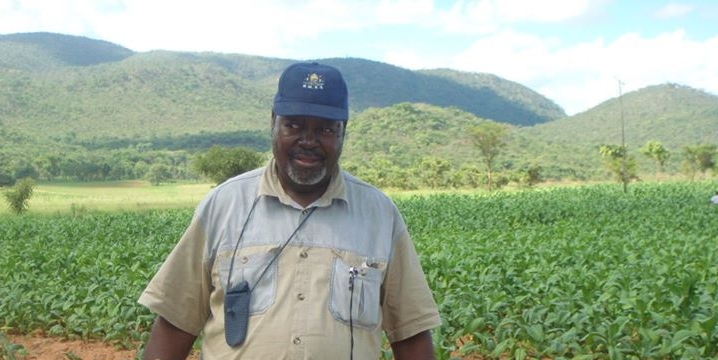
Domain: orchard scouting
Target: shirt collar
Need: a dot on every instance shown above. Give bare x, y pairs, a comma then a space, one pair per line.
269, 185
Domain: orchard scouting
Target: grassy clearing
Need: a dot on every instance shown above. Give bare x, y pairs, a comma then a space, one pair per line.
112, 196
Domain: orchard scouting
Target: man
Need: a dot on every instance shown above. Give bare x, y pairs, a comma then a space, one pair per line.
298, 259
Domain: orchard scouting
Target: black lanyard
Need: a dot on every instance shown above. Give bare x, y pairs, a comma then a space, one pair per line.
236, 300
241, 234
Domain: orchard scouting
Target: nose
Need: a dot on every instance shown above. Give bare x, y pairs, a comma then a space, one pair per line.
308, 136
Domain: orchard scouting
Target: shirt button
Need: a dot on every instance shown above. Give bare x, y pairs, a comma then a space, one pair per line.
303, 254
300, 296
244, 259
297, 341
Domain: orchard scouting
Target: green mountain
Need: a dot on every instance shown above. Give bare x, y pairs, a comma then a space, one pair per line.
673, 114
63, 96
46, 51
530, 106
82, 88
566, 148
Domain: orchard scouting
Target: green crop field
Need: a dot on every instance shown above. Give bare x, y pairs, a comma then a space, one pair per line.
583, 272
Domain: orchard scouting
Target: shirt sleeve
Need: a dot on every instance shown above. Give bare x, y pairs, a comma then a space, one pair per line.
180, 290
408, 304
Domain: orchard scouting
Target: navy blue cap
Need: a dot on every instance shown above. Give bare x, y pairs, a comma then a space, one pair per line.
312, 89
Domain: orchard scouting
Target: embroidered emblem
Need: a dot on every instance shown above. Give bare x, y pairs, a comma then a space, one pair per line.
313, 81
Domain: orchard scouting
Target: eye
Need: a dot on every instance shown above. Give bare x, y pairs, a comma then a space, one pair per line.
293, 125
328, 130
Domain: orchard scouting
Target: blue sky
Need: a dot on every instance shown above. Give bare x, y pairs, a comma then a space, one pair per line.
571, 51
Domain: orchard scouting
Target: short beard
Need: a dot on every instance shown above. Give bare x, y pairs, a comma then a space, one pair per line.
306, 178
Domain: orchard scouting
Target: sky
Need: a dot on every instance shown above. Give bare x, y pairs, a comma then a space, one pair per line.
578, 53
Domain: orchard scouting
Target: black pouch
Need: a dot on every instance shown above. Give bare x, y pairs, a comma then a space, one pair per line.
236, 314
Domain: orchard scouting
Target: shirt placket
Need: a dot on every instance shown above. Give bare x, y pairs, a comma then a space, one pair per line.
301, 310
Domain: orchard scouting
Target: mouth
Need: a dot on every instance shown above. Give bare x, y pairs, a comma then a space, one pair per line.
307, 160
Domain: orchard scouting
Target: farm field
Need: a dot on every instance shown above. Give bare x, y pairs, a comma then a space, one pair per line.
584, 272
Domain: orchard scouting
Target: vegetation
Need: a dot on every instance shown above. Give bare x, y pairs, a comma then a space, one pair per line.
699, 158
490, 139
19, 196
619, 163
9, 350
107, 113
576, 272
220, 164
656, 151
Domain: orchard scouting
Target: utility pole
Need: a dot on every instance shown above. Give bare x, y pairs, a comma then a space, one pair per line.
624, 176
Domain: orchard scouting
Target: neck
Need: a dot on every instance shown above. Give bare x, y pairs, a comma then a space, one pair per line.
304, 195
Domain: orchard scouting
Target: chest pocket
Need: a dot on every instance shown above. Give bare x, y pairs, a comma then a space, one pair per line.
363, 292
249, 268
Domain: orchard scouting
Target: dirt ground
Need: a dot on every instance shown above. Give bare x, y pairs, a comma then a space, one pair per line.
45, 348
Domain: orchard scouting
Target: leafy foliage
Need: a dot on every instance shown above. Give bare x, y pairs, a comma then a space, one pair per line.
19, 196
490, 139
586, 272
220, 163
582, 272
656, 151
700, 157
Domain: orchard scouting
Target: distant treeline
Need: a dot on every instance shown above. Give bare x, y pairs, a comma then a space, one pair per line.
252, 139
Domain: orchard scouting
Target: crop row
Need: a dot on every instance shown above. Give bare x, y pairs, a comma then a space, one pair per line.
586, 272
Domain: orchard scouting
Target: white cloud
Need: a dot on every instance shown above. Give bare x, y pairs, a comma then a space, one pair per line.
580, 76
485, 16
673, 10
545, 11
404, 11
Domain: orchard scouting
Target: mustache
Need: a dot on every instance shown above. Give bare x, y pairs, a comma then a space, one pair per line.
306, 153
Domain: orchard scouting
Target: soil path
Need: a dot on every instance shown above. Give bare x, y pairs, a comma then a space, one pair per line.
46, 348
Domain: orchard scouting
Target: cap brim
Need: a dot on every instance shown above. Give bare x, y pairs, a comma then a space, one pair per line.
286, 108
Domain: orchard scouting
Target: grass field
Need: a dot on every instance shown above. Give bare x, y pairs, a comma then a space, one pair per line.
112, 196
581, 272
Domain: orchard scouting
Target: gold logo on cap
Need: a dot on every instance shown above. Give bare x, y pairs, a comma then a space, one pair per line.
313, 81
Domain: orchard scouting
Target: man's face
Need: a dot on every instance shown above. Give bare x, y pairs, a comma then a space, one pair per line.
306, 150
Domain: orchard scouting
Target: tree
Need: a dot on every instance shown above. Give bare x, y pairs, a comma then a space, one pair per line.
699, 158
433, 171
490, 138
221, 163
656, 151
19, 196
531, 175
158, 173
619, 163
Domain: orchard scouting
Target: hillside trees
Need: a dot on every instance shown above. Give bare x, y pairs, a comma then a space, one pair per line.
490, 139
221, 163
619, 163
656, 151
699, 158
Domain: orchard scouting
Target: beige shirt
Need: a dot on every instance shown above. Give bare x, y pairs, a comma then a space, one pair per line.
299, 309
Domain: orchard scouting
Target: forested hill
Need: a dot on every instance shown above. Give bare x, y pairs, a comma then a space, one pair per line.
78, 108
84, 88
44, 51
676, 115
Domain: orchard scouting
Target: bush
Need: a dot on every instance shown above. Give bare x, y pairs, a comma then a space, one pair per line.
19, 196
